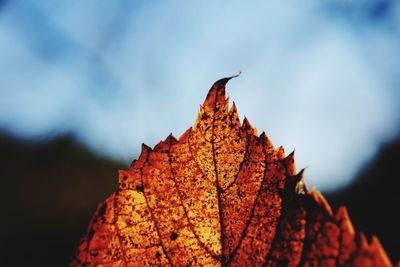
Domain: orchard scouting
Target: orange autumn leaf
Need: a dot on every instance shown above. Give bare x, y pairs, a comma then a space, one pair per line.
220, 195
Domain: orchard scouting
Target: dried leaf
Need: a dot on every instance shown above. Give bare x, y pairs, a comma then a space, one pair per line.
221, 196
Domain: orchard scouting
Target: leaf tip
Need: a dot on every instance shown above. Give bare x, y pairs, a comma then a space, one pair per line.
171, 139
217, 90
280, 152
301, 187
377, 247
233, 109
225, 80
267, 142
290, 165
321, 200
248, 128
342, 216
295, 184
145, 150
363, 242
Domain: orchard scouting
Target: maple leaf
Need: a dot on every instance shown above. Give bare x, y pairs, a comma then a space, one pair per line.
220, 195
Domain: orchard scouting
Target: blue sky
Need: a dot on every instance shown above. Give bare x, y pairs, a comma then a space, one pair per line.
321, 77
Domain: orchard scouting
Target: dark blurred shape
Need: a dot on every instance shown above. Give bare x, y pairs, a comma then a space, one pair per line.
373, 199
50, 190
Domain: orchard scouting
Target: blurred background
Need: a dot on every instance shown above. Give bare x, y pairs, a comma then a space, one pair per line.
84, 83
